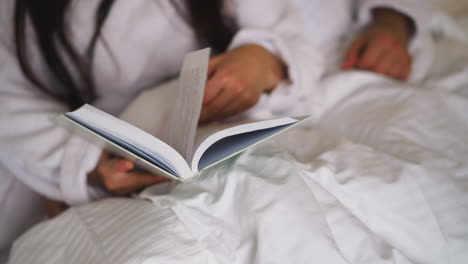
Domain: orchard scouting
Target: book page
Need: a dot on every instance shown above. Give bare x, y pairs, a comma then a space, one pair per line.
151, 109
183, 122
235, 137
229, 146
203, 132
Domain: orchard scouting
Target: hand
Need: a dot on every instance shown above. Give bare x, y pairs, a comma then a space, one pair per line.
383, 46
237, 79
115, 175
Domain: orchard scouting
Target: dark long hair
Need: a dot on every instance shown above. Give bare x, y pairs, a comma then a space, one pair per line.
48, 19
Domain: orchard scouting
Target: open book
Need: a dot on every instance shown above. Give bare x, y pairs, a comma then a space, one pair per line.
161, 132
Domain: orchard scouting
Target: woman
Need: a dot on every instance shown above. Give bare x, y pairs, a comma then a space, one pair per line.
57, 55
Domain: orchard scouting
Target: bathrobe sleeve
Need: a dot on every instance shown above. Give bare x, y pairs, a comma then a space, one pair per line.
42, 154
274, 24
419, 11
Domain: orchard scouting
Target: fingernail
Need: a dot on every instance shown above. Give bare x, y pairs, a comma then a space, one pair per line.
125, 165
128, 165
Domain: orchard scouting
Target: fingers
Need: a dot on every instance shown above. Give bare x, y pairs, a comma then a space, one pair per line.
385, 64
111, 162
353, 54
381, 48
395, 69
406, 70
115, 175
386, 56
237, 78
116, 165
394, 64
405, 63
124, 165
222, 111
223, 84
143, 179
233, 96
215, 85
126, 183
213, 64
215, 80
132, 182
373, 54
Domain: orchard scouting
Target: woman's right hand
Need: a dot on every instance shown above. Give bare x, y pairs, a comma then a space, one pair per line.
383, 46
115, 175
237, 79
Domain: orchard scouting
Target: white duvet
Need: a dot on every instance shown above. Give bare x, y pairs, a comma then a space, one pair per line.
380, 176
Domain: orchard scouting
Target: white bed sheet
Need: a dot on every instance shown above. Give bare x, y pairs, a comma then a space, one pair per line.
380, 176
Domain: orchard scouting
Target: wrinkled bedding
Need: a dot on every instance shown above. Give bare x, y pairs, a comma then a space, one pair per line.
379, 176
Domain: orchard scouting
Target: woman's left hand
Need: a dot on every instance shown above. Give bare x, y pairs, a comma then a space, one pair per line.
237, 79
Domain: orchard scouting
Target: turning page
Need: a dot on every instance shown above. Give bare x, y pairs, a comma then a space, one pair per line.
189, 98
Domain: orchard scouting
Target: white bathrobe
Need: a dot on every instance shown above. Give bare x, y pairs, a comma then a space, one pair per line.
49, 160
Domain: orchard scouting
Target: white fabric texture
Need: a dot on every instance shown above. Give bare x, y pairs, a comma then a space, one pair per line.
379, 176
376, 193
21, 208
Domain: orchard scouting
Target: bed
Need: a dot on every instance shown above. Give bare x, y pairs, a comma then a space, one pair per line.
382, 178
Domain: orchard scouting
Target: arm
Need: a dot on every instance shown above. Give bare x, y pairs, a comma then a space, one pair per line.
48, 158
42, 154
267, 56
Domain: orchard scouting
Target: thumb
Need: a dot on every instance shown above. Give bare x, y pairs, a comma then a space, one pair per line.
125, 165
140, 180
213, 64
